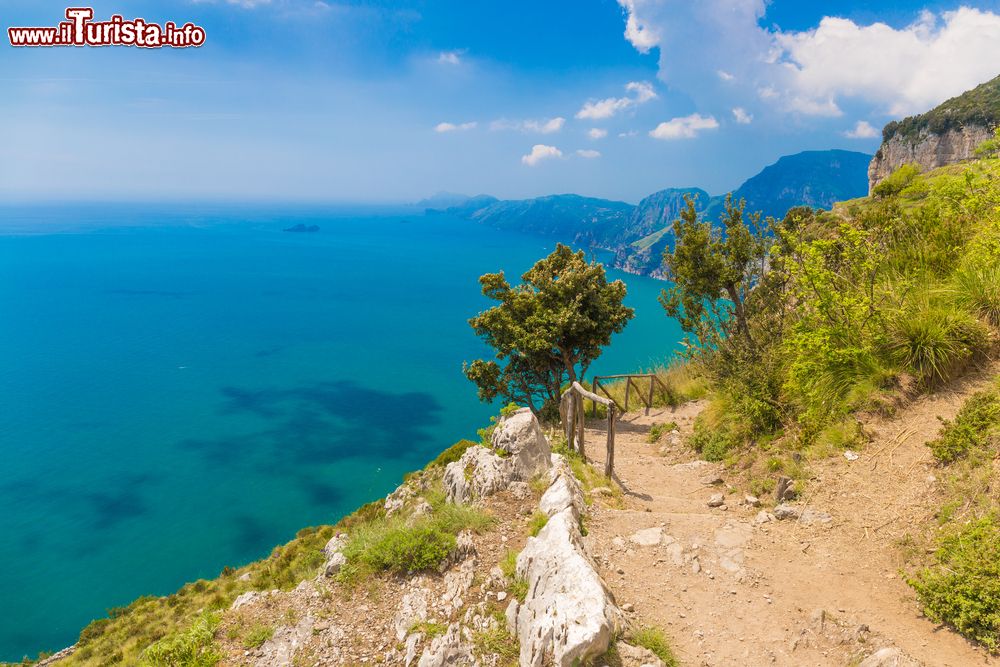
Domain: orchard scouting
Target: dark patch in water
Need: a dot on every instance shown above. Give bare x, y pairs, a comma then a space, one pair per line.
269, 351
251, 533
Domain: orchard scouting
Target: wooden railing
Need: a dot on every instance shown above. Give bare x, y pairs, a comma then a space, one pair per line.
573, 419
630, 382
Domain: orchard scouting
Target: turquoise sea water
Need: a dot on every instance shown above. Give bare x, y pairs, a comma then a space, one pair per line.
182, 388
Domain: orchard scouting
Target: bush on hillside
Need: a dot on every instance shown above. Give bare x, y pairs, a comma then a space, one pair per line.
897, 181
962, 588
976, 428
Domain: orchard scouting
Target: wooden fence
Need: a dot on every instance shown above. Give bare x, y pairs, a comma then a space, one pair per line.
630, 381
573, 419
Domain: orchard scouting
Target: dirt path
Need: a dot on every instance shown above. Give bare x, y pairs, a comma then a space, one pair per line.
823, 590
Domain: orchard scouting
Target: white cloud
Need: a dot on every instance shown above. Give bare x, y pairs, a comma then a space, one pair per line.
862, 130
540, 152
549, 126
588, 153
452, 127
686, 127
641, 92
626, 135
450, 57
597, 133
897, 71
742, 116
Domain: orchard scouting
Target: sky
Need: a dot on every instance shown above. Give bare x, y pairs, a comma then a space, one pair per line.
371, 101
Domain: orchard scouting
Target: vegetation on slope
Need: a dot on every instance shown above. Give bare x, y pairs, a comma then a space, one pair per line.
979, 106
828, 314
960, 586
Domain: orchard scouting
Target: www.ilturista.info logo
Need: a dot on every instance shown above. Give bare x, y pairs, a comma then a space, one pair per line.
81, 30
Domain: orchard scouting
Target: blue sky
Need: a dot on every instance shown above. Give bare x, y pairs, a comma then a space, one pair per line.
299, 100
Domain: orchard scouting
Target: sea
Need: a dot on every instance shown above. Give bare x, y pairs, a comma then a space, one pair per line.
183, 387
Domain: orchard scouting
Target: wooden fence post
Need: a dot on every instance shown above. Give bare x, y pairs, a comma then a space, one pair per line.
582, 424
568, 424
609, 466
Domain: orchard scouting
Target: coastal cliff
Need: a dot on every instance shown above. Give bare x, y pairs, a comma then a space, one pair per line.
928, 149
946, 134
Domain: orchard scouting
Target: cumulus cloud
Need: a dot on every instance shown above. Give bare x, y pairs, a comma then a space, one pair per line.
588, 153
450, 57
862, 130
452, 127
896, 70
741, 116
638, 92
597, 133
686, 127
549, 126
540, 152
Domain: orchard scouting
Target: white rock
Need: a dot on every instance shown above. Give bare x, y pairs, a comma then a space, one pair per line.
889, 657
245, 599
717, 500
412, 610
448, 649
521, 436
280, 649
648, 537
411, 648
561, 494
336, 562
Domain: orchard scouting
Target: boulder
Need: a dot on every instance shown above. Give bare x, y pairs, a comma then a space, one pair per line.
637, 656
520, 436
569, 616
482, 471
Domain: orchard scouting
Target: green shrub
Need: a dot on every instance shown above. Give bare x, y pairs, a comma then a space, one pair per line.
495, 640
975, 426
713, 441
451, 454
934, 342
194, 647
962, 589
897, 181
656, 641
978, 290
400, 544
657, 431
257, 636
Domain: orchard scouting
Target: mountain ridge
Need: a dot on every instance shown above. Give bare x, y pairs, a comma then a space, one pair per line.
637, 234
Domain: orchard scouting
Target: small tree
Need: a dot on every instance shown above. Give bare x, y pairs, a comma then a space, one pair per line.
713, 271
547, 330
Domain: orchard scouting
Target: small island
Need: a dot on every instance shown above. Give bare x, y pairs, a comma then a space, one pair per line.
303, 229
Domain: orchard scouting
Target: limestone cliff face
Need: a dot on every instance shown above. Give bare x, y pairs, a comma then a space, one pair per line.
928, 149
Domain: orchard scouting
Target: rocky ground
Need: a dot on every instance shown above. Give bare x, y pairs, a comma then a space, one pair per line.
734, 584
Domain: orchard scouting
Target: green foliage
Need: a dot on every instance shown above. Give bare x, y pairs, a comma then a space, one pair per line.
713, 440
546, 330
657, 431
400, 544
194, 647
976, 428
656, 641
977, 286
708, 261
495, 640
897, 181
517, 586
990, 147
962, 588
537, 522
451, 454
934, 341
979, 106
257, 636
